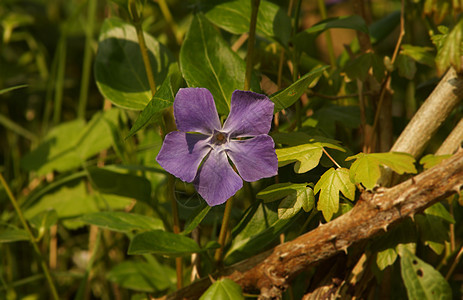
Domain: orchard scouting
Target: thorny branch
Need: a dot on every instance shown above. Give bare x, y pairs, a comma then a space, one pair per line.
271, 272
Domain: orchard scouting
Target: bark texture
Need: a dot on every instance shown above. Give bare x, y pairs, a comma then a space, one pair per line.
271, 272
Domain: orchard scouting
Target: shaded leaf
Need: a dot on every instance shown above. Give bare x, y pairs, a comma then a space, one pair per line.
223, 289
13, 235
420, 54
295, 196
119, 69
207, 61
107, 181
285, 98
197, 216
234, 16
330, 184
258, 228
406, 66
141, 276
44, 220
162, 243
421, 280
122, 221
163, 98
366, 168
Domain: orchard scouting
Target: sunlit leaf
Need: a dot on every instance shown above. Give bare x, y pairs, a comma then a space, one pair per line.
449, 48
366, 168
223, 289
421, 280
431, 160
330, 184
386, 258
69, 144
306, 156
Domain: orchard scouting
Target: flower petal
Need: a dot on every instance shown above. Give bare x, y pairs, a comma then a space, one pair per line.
254, 158
182, 153
194, 110
250, 114
216, 180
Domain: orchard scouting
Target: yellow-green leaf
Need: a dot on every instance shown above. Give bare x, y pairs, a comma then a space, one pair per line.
329, 186
366, 168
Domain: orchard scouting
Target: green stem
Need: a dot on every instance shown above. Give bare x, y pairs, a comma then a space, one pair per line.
62, 44
295, 61
251, 42
87, 64
329, 39
223, 231
171, 196
31, 238
136, 21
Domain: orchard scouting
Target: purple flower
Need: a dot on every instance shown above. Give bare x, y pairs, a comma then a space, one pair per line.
203, 143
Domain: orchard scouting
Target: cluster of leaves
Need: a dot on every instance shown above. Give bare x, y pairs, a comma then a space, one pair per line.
82, 175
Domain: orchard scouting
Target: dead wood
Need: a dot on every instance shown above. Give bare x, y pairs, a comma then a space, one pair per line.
271, 272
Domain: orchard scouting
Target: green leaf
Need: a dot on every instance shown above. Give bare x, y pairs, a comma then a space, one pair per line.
119, 69
306, 156
107, 181
71, 201
296, 196
304, 39
406, 66
386, 258
12, 88
354, 22
449, 48
163, 98
285, 98
162, 243
223, 289
13, 235
421, 280
433, 227
122, 221
366, 168
44, 220
380, 29
207, 61
234, 16
431, 160
69, 144
359, 67
259, 227
330, 184
141, 276
420, 54
197, 216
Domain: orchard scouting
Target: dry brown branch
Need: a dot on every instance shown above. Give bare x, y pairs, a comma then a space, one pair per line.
271, 272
